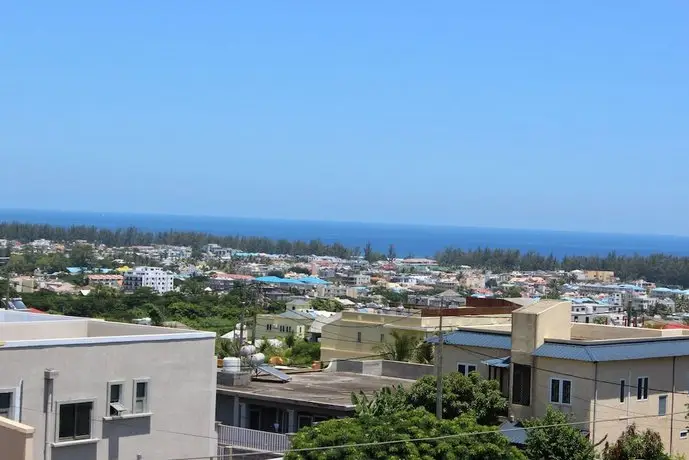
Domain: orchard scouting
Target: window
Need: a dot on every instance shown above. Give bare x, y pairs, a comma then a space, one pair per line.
560, 391
269, 327
115, 397
662, 405
465, 369
642, 388
6, 404
623, 390
358, 337
684, 434
382, 338
521, 386
74, 421
140, 405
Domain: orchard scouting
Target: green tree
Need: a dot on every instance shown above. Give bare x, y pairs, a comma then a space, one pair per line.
401, 348
554, 438
461, 394
554, 289
511, 291
392, 253
290, 339
405, 427
81, 255
303, 353
633, 445
156, 316
384, 402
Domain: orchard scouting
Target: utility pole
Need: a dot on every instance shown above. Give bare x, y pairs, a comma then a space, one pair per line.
439, 368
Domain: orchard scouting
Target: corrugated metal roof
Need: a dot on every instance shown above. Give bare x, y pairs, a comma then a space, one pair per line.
476, 339
647, 349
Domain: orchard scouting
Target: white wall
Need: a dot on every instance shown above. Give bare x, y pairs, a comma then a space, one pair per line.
182, 396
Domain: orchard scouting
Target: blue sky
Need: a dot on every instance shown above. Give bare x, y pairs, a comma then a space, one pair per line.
533, 114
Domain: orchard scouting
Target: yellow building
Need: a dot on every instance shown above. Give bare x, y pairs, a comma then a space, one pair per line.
600, 276
607, 377
358, 335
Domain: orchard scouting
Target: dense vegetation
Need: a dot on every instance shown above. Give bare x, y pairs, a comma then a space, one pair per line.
191, 306
659, 268
398, 423
134, 237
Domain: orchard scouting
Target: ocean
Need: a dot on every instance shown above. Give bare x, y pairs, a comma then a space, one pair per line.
416, 240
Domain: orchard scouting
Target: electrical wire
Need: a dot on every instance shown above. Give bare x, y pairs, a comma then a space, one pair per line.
434, 438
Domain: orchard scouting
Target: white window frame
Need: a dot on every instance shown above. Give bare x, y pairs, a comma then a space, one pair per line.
466, 368
147, 399
109, 392
58, 408
560, 391
13, 409
662, 398
641, 388
684, 434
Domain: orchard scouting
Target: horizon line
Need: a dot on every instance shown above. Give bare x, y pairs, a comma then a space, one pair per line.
335, 222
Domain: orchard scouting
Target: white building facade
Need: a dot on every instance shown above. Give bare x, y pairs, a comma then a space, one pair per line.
95, 390
156, 278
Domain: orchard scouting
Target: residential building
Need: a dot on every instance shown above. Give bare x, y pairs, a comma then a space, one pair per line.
277, 406
95, 390
359, 334
113, 281
156, 278
358, 279
599, 276
296, 322
606, 377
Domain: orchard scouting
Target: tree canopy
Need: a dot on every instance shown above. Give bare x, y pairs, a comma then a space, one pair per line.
634, 444
379, 434
461, 394
554, 438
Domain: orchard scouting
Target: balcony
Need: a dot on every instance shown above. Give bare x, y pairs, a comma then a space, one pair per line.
254, 440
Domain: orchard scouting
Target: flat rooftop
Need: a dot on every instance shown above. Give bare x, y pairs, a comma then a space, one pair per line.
20, 329
317, 389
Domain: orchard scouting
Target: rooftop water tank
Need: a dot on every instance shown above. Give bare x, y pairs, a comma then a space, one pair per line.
247, 350
231, 365
257, 359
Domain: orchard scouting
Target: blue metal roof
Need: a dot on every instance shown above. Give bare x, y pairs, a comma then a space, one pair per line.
514, 432
277, 280
498, 362
312, 280
646, 349
476, 339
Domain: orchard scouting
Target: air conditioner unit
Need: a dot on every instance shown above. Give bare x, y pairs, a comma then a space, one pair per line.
117, 409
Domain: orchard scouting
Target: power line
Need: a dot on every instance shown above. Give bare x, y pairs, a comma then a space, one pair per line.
437, 438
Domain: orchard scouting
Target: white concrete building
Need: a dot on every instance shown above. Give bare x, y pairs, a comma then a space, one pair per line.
96, 390
154, 277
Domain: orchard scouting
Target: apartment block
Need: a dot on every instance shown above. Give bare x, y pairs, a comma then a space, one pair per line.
156, 278
84, 389
357, 334
113, 281
607, 377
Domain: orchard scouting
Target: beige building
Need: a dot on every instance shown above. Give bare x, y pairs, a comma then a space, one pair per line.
358, 335
84, 389
607, 377
291, 322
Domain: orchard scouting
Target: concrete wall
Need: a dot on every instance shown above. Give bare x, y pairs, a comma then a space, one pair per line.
339, 339
383, 368
16, 440
604, 332
43, 330
452, 355
109, 329
181, 396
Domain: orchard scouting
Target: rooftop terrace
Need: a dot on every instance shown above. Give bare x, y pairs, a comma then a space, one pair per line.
20, 329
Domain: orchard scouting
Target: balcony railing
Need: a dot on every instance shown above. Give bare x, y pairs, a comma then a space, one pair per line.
252, 439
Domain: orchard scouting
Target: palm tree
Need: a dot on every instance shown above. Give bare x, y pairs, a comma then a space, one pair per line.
226, 348
423, 353
401, 349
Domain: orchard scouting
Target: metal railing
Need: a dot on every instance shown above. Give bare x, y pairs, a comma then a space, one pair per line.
252, 439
